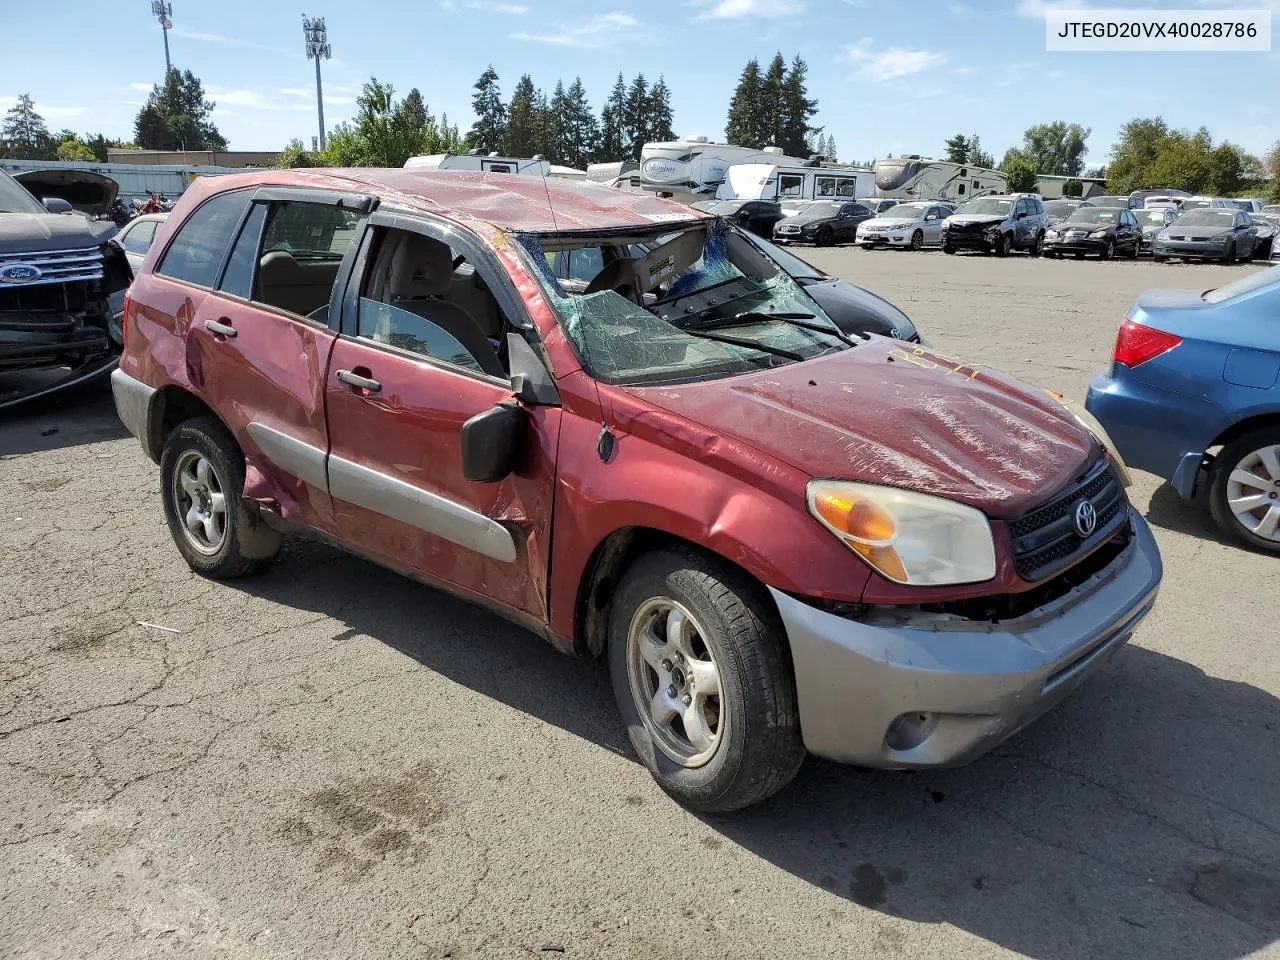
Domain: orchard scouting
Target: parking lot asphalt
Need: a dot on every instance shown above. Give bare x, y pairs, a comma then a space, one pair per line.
332, 761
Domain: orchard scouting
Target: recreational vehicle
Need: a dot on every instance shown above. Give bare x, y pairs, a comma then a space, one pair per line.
480, 162
921, 178
810, 180
692, 169
604, 172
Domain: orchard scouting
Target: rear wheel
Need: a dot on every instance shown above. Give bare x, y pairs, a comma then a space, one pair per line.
1037, 248
917, 240
202, 471
1244, 493
703, 680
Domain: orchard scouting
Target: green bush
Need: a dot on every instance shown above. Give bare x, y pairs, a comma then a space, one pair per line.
1072, 188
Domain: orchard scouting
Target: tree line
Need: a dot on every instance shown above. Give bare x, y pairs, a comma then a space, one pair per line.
24, 135
773, 109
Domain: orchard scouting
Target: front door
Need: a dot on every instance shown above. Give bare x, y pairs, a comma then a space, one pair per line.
420, 354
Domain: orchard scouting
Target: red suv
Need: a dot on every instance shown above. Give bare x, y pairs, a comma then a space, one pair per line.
779, 537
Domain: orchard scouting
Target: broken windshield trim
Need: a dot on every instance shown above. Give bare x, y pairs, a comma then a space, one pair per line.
777, 286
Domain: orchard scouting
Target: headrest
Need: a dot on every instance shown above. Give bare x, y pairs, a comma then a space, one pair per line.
420, 267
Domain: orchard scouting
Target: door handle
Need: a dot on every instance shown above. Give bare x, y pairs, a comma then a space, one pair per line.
220, 329
353, 379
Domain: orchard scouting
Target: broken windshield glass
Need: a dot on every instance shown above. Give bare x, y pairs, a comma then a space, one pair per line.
641, 315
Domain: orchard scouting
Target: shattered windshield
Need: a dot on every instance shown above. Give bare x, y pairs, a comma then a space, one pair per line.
659, 306
14, 197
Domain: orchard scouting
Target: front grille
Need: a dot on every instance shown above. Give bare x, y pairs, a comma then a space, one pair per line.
1045, 540
62, 298
55, 266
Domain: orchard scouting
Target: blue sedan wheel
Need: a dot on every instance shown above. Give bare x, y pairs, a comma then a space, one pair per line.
1245, 493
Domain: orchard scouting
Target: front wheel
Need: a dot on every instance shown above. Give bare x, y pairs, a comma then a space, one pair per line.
825, 237
1244, 491
703, 680
1109, 251
1004, 244
202, 472
917, 240
1230, 255
1159, 258
949, 248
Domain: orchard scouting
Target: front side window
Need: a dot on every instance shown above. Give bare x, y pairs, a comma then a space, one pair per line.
696, 304
195, 255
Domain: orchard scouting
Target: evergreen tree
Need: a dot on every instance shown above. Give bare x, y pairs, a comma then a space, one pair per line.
795, 110
557, 138
448, 137
770, 109
979, 157
635, 117
491, 116
543, 128
520, 131
177, 117
658, 126
581, 134
415, 110
958, 149
743, 126
831, 150
24, 134
612, 138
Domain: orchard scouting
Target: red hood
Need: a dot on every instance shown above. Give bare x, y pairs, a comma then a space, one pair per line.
987, 440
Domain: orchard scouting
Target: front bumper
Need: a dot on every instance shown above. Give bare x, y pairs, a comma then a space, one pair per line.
969, 241
1083, 245
1170, 248
894, 239
944, 693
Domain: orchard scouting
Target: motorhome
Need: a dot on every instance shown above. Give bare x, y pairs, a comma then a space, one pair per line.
692, 168
479, 161
604, 172
810, 180
923, 178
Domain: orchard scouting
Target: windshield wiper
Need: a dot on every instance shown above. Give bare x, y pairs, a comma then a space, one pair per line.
743, 342
794, 319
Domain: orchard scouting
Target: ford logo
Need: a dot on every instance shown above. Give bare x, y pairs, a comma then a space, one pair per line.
19, 273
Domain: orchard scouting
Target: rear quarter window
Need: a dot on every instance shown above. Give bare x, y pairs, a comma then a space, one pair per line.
195, 253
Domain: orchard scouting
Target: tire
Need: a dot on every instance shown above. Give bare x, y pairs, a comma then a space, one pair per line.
1037, 248
1240, 456
825, 237
949, 248
917, 240
1159, 258
756, 748
207, 456
1109, 251
1230, 255
1004, 245
1248, 254
1137, 248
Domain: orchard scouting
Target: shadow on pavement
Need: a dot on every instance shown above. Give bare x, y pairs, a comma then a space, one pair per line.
1138, 819
1170, 511
80, 415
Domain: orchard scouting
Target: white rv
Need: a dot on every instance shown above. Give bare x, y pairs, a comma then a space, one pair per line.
920, 178
810, 180
692, 168
479, 162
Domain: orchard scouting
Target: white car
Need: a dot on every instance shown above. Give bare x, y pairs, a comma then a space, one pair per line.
913, 225
136, 236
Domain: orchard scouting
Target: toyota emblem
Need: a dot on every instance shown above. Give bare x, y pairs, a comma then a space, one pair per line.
1086, 519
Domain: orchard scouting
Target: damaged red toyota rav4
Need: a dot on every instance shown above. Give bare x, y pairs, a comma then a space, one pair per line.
781, 538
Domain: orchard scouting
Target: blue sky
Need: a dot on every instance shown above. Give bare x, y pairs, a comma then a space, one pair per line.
891, 76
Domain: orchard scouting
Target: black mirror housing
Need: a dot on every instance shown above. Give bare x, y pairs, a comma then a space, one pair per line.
491, 443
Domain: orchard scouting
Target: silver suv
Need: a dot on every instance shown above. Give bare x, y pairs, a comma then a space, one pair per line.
997, 224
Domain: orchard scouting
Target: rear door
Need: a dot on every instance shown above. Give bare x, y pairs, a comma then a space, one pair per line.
401, 384
263, 340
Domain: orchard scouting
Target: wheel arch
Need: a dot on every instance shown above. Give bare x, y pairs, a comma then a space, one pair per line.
171, 406
1249, 423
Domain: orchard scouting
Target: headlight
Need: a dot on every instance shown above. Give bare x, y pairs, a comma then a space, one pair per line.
907, 537
1051, 234
1090, 423
1097, 234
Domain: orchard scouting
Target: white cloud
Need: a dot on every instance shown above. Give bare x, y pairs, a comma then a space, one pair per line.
494, 6
891, 63
297, 91
60, 113
202, 37
595, 32
743, 9
141, 87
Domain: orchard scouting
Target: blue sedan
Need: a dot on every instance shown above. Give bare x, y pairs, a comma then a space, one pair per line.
1195, 371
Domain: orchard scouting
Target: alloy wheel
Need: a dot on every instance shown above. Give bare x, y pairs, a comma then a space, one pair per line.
1253, 492
201, 502
675, 682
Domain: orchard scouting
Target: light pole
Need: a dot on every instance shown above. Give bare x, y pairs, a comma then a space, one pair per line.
163, 12
317, 50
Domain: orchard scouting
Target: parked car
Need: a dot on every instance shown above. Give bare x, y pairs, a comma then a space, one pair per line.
1144, 198
62, 285
1264, 238
136, 236
1248, 204
878, 205
758, 216
997, 224
1224, 234
914, 224
1271, 210
1152, 220
767, 529
1196, 371
1110, 200
822, 222
1200, 203
1275, 253
1106, 231
1056, 211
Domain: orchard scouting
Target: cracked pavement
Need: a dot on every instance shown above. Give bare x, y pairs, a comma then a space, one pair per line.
331, 761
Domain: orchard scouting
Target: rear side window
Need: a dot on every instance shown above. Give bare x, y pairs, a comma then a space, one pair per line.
196, 252
138, 240
237, 280
302, 247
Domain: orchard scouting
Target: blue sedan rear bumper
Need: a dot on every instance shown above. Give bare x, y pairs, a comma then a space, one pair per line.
1156, 430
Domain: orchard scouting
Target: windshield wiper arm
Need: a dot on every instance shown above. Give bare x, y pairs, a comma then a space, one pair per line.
794, 319
743, 342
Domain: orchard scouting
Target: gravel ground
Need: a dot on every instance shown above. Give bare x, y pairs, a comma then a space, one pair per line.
331, 761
